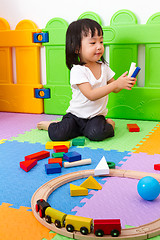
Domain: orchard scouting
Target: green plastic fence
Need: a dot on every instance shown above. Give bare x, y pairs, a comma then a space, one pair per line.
123, 37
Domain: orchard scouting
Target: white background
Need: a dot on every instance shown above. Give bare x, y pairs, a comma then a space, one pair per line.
41, 11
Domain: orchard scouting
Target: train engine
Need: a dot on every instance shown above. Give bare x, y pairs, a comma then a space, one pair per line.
41, 207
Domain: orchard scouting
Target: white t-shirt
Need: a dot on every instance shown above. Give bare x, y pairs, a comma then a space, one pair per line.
81, 106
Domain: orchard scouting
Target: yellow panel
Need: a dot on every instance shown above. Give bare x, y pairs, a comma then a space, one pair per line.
20, 98
14, 38
5, 65
28, 65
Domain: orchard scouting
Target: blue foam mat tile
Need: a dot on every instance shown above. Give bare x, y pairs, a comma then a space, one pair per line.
17, 186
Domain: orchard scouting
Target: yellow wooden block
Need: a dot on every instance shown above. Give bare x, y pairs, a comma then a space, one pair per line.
50, 145
91, 183
78, 191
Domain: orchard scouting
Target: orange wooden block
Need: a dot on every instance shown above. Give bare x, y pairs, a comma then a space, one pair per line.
55, 160
133, 128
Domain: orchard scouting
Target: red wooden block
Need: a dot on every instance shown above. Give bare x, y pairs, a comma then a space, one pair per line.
133, 128
38, 156
60, 148
156, 166
28, 165
55, 160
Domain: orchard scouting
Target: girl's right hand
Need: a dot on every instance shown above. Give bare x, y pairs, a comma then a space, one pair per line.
125, 82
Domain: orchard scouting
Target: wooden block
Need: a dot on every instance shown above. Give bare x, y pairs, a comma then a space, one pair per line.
50, 145
38, 155
60, 148
72, 156
52, 168
102, 167
55, 160
78, 191
78, 142
91, 183
77, 163
156, 166
133, 128
28, 165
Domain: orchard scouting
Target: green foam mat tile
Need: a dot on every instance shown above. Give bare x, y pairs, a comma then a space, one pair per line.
122, 141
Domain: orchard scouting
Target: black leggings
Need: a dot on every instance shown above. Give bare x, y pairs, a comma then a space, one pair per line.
96, 128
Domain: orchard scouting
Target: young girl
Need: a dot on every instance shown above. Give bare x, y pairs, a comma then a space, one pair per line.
91, 81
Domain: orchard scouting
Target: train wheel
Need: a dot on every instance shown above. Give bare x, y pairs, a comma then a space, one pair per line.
57, 223
37, 208
48, 219
70, 228
99, 233
114, 233
41, 213
84, 230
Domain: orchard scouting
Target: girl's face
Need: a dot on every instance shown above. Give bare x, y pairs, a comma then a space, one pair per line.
92, 48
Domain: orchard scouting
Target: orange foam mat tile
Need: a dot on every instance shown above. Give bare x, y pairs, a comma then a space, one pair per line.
151, 143
21, 224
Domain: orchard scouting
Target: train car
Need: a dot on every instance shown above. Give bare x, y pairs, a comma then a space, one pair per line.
107, 226
41, 207
77, 223
54, 216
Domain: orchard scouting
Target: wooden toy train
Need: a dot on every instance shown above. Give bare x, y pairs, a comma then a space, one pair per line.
72, 223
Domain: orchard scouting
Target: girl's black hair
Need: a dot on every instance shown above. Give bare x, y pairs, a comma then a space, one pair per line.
75, 32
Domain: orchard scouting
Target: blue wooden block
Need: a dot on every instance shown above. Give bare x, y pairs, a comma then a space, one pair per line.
53, 168
42, 93
72, 156
136, 71
40, 37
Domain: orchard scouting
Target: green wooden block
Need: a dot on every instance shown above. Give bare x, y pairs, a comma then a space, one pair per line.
78, 142
58, 155
111, 165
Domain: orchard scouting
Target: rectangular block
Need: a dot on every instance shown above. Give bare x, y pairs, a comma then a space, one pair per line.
156, 166
133, 128
55, 160
60, 148
72, 156
78, 142
53, 168
58, 155
38, 155
50, 145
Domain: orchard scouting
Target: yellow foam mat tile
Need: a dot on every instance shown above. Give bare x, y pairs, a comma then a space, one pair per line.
3, 141
21, 224
151, 143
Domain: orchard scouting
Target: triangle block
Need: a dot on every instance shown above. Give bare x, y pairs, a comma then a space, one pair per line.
28, 165
78, 191
102, 167
91, 183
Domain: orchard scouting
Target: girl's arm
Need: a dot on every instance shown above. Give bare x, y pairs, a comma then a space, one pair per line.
123, 82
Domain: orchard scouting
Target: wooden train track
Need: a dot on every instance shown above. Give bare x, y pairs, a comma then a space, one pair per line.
146, 231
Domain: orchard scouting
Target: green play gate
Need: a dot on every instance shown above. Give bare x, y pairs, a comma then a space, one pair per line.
123, 37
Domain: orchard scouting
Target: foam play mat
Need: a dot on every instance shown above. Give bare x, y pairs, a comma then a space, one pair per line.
118, 198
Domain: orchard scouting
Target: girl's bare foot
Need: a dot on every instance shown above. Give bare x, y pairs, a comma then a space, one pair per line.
110, 121
43, 125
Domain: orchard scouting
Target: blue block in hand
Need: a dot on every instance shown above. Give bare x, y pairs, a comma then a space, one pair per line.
136, 71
